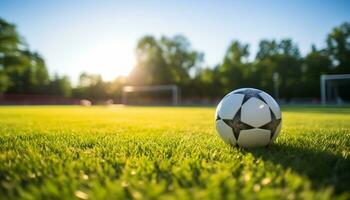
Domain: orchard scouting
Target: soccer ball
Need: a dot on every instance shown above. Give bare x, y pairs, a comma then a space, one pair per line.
248, 118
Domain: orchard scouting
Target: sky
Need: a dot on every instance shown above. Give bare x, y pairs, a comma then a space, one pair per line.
100, 36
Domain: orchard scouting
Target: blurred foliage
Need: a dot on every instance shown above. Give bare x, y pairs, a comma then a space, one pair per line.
172, 60
297, 76
91, 86
60, 86
338, 47
23, 71
165, 61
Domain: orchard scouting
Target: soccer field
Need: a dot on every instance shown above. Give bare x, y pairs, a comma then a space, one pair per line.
67, 152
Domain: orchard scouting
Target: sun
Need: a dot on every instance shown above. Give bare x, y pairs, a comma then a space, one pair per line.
110, 59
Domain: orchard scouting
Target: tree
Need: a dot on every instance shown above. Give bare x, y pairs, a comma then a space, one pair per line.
280, 57
151, 68
3, 81
21, 71
207, 83
26, 72
180, 58
60, 86
9, 38
164, 61
91, 86
235, 69
41, 73
338, 46
114, 88
9, 41
316, 63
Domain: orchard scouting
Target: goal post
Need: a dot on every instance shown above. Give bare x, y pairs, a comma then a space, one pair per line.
325, 88
175, 94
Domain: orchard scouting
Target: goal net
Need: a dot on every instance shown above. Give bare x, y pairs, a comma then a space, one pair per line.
335, 88
151, 95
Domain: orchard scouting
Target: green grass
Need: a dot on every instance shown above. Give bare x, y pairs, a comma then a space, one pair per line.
167, 153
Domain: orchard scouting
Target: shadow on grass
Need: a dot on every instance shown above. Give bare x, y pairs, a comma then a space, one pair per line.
321, 167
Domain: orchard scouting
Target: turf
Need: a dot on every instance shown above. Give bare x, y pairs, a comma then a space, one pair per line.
167, 153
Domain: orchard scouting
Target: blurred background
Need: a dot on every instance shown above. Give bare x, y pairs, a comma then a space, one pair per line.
173, 53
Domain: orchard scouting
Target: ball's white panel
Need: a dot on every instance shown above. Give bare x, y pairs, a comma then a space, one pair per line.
254, 138
255, 112
225, 132
272, 104
230, 105
278, 129
217, 109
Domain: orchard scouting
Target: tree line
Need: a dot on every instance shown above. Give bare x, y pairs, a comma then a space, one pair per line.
277, 64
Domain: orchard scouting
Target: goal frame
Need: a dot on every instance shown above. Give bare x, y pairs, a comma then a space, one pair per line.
151, 88
328, 77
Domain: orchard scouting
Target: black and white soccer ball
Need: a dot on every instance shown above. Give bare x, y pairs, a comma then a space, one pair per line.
248, 118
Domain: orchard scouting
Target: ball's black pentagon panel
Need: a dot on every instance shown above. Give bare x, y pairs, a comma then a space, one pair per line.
249, 93
236, 124
272, 125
